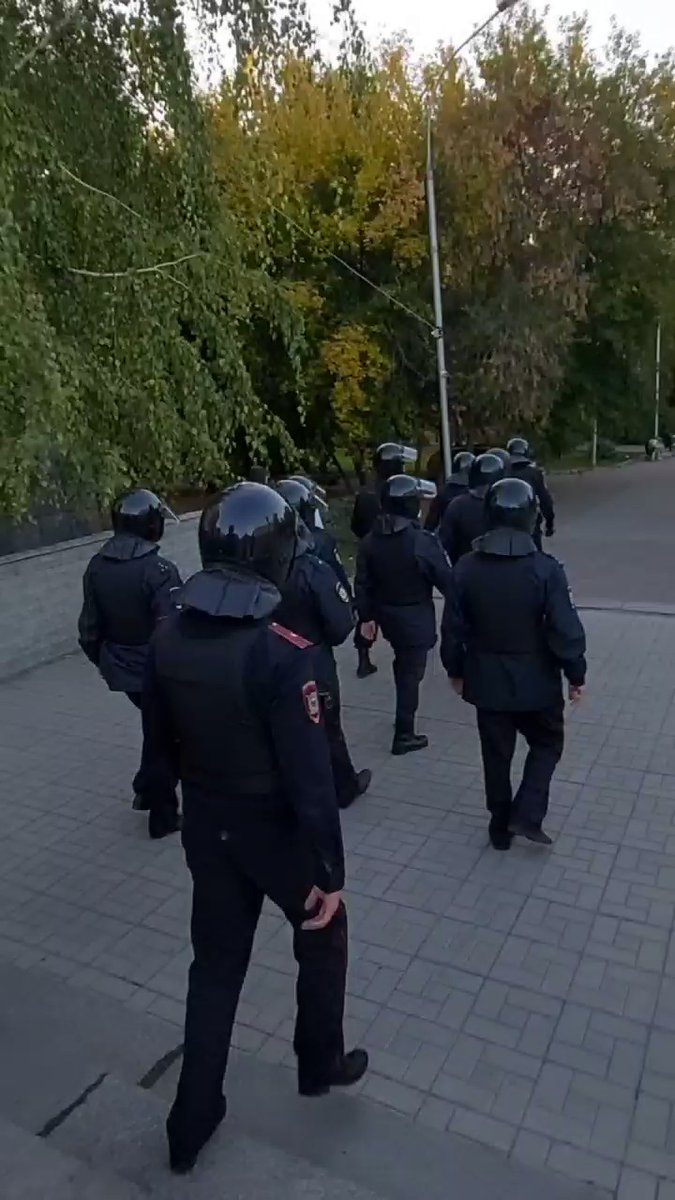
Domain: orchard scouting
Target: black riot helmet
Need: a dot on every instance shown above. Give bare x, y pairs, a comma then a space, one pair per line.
401, 496
301, 499
312, 486
250, 526
503, 454
519, 449
462, 462
390, 459
142, 514
511, 504
484, 471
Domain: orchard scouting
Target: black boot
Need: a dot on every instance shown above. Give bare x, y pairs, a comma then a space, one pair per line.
365, 667
533, 833
182, 1157
162, 822
140, 803
406, 743
363, 779
500, 838
350, 1068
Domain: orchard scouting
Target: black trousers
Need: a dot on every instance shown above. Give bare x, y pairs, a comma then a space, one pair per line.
363, 646
410, 663
164, 805
544, 733
231, 876
344, 775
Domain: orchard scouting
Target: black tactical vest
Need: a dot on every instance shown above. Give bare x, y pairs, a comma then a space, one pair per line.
394, 568
225, 750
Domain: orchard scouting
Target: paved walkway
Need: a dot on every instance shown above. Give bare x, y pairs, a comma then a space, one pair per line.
615, 532
525, 1000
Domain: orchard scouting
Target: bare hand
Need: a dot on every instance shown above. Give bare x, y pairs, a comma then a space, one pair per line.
458, 686
369, 631
329, 903
575, 693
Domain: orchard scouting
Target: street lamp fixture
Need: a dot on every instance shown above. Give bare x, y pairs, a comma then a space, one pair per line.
439, 333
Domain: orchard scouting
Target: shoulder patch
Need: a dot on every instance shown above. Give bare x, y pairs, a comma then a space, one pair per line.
342, 593
295, 639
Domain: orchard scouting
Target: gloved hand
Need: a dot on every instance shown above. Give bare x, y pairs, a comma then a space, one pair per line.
550, 530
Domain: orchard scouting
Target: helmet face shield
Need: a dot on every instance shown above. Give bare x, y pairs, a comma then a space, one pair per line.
427, 489
408, 454
169, 514
316, 490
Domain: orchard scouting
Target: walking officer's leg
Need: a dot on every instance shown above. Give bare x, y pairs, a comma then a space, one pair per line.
140, 801
226, 907
348, 782
285, 870
545, 734
366, 666
409, 666
497, 731
155, 788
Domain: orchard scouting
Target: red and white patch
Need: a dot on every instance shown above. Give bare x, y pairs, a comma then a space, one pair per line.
310, 699
288, 635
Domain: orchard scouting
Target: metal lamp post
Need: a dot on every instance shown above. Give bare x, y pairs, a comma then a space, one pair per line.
439, 333
657, 380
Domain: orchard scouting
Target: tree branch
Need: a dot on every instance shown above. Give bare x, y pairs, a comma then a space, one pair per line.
44, 41
99, 192
134, 270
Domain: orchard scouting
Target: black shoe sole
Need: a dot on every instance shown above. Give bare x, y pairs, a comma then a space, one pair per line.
500, 844
530, 836
182, 1164
398, 750
162, 831
310, 1090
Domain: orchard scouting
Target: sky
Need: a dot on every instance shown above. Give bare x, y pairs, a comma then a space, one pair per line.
428, 21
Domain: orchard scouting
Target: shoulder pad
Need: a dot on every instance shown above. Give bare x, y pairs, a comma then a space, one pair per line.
287, 634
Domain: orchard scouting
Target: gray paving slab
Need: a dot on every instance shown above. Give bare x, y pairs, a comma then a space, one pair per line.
340, 1149
56, 1040
34, 1170
522, 1001
122, 1129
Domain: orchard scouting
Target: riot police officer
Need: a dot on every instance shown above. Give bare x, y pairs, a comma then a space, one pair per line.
510, 631
128, 588
316, 604
398, 566
456, 485
324, 544
389, 459
464, 519
232, 697
523, 467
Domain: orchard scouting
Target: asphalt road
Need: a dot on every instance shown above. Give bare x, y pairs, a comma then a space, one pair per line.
615, 533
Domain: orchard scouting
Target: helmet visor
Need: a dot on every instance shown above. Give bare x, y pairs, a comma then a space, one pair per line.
427, 489
408, 454
168, 513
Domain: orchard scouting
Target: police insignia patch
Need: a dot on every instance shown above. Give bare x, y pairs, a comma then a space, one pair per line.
342, 593
310, 699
